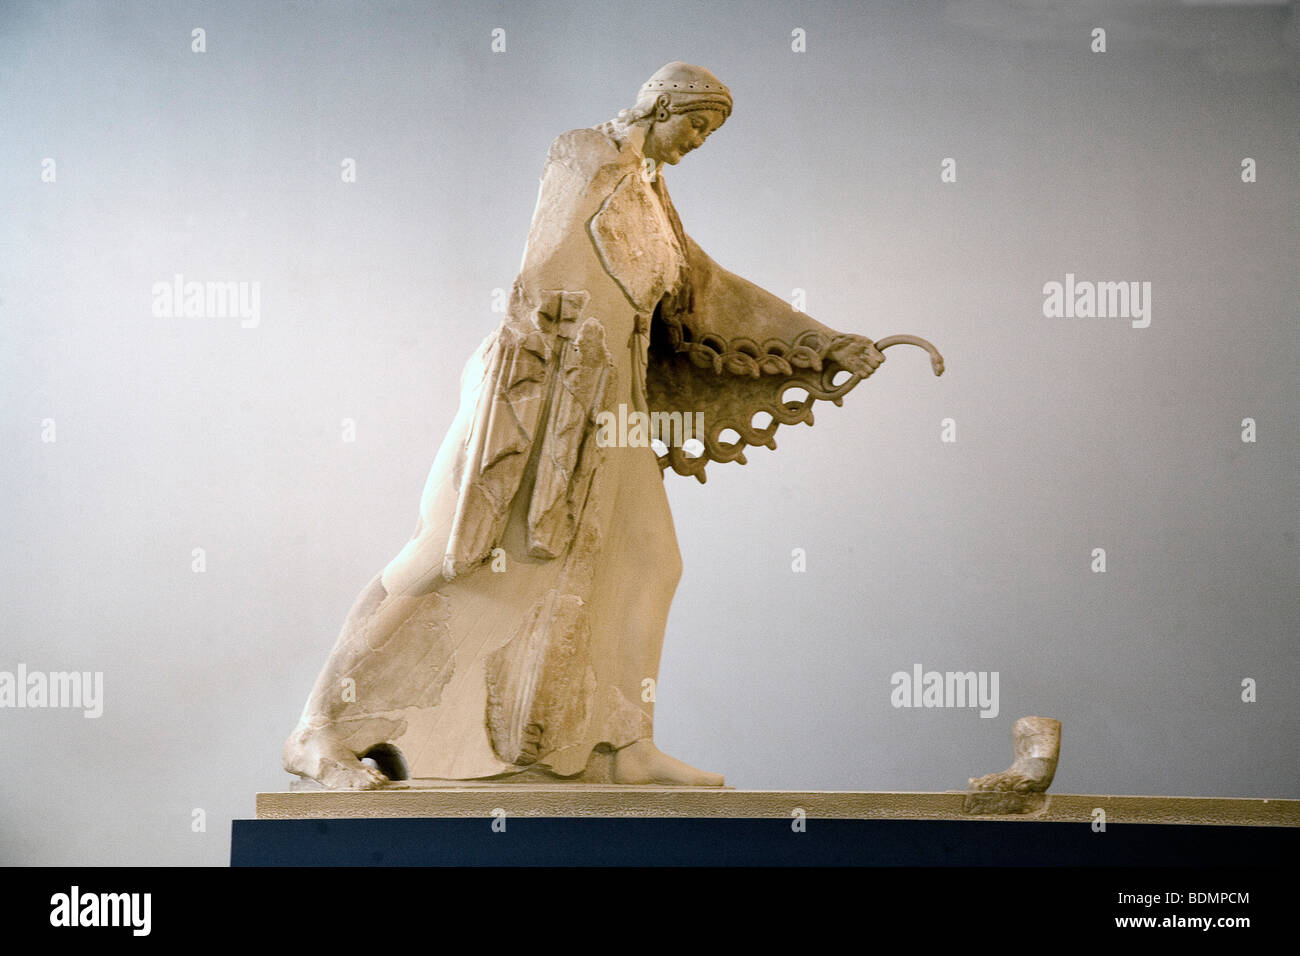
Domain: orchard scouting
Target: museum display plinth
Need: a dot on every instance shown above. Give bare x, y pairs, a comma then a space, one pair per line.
640, 826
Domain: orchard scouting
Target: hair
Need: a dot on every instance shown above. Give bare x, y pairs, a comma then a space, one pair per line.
617, 128
647, 106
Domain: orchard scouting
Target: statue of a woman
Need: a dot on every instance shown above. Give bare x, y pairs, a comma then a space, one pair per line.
518, 630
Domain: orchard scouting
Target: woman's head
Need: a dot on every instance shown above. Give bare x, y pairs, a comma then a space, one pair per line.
680, 106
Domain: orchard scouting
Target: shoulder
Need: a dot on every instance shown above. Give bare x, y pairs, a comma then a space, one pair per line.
585, 151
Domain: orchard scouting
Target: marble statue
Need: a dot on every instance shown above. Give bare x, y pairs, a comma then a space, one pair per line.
514, 635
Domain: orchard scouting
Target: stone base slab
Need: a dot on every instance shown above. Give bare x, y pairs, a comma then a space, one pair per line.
410, 800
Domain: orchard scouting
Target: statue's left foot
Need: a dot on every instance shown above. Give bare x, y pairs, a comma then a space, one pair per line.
1037, 742
317, 753
644, 763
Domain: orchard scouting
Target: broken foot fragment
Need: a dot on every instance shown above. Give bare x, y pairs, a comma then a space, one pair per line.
1037, 743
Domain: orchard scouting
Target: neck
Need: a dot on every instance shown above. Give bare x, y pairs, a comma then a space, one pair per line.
636, 136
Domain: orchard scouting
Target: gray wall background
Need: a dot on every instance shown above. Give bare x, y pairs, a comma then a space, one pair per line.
175, 434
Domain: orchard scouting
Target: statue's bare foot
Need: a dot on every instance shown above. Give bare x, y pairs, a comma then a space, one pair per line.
644, 763
1037, 746
1031, 775
316, 752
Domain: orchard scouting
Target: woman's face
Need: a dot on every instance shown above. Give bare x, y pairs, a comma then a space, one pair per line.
669, 141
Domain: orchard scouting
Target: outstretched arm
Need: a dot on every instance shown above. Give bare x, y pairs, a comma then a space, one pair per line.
727, 306
730, 349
